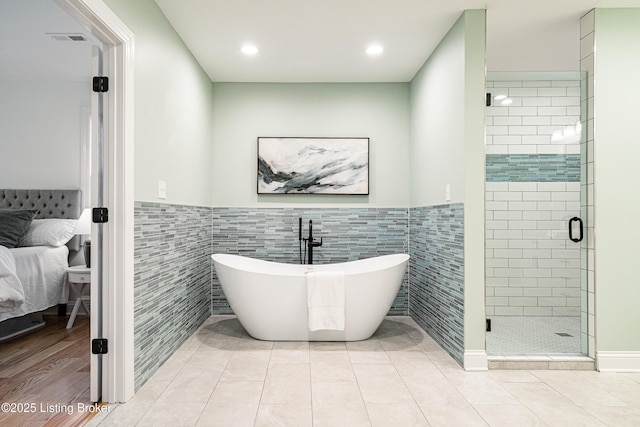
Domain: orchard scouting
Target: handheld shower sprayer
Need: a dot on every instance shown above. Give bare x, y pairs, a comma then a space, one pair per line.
300, 240
309, 243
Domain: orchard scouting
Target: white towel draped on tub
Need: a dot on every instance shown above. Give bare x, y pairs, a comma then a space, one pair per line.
325, 300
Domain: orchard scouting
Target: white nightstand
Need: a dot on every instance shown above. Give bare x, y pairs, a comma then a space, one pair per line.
79, 277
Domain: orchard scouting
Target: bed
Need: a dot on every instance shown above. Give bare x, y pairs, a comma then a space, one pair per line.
36, 243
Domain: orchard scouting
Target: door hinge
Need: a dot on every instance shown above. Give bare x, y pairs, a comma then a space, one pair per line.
100, 215
488, 100
99, 346
488, 325
100, 84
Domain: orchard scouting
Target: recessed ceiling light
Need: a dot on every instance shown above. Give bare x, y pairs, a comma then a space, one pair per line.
375, 49
249, 49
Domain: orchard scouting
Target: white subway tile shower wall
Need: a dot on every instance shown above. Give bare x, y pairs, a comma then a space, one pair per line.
532, 190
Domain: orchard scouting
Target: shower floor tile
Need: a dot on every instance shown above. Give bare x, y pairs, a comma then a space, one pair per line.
522, 335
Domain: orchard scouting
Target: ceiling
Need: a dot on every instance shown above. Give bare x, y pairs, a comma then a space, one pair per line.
309, 40
325, 40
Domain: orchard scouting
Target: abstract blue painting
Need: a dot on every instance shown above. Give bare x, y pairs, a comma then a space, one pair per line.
291, 165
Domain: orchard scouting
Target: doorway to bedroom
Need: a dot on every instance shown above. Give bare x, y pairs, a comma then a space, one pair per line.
46, 141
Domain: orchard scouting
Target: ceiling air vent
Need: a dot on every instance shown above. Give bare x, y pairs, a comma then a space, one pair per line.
67, 37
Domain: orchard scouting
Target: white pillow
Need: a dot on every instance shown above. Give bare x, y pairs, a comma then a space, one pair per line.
49, 232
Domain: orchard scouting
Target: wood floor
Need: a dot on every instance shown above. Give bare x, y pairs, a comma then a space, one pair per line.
44, 375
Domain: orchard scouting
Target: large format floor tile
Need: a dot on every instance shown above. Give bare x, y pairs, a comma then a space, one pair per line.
400, 377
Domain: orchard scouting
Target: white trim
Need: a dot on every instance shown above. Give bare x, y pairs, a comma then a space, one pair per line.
476, 360
618, 361
118, 364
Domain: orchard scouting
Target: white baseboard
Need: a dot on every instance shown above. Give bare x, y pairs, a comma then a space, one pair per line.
618, 361
476, 360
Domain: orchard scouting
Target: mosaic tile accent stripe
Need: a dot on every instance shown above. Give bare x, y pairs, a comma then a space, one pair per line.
437, 274
172, 287
272, 235
533, 168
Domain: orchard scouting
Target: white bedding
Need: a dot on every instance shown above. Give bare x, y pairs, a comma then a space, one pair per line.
11, 291
42, 271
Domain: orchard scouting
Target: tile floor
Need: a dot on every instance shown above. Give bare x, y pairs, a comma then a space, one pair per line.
533, 335
399, 377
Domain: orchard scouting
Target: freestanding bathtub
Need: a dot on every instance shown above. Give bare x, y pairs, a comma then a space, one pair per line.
270, 299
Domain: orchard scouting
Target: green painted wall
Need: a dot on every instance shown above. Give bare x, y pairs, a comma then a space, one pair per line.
447, 148
616, 188
474, 178
173, 107
245, 111
437, 122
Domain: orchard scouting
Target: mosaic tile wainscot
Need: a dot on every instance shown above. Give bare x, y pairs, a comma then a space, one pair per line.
437, 274
271, 234
172, 288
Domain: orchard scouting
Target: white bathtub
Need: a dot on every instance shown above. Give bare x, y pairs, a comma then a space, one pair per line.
270, 299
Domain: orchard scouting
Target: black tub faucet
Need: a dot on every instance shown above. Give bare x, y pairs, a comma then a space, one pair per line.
312, 243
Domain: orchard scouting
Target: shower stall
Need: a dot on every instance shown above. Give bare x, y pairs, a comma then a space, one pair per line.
536, 212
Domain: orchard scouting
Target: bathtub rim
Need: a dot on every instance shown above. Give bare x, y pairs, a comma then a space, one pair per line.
241, 262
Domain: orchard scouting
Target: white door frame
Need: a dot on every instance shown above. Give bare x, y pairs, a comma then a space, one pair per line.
118, 382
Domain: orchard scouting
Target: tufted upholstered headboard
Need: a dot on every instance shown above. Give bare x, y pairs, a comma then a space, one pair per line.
51, 204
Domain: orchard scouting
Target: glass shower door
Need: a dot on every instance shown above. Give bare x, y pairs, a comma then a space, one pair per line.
534, 294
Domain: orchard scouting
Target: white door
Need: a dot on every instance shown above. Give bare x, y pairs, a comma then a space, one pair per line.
97, 232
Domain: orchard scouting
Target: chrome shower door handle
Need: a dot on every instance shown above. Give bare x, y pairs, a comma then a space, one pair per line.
571, 221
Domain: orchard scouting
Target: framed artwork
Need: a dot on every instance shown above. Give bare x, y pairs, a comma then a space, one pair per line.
291, 165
